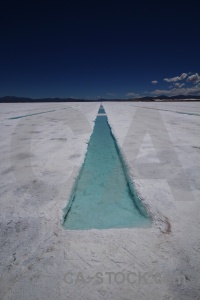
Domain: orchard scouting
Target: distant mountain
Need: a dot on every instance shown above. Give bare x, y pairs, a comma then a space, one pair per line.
178, 97
167, 98
13, 99
163, 97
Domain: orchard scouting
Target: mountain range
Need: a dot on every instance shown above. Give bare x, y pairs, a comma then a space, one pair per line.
13, 99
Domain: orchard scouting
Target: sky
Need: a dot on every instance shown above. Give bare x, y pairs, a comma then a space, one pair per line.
99, 49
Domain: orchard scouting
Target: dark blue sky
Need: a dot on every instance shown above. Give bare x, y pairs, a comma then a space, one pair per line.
99, 49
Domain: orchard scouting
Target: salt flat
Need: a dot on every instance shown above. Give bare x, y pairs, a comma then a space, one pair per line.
41, 155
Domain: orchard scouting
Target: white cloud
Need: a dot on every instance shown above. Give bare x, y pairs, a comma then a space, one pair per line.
179, 85
111, 94
181, 88
177, 78
132, 95
161, 92
195, 78
154, 81
195, 90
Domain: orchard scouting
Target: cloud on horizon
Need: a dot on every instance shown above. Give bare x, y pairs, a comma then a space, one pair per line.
111, 94
195, 90
181, 88
154, 81
132, 95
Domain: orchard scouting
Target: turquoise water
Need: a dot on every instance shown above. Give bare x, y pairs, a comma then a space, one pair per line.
101, 110
102, 196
